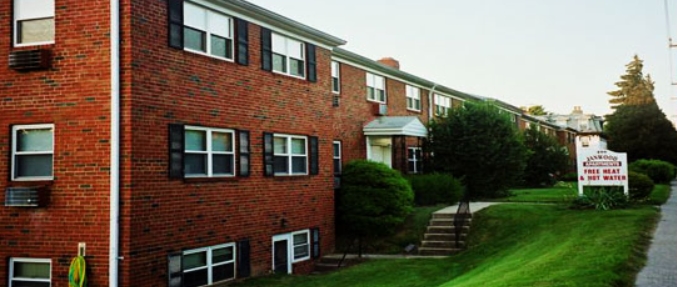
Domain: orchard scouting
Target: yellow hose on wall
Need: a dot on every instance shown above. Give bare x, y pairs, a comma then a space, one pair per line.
77, 272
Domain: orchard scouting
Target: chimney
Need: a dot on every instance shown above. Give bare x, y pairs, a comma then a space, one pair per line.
577, 110
390, 62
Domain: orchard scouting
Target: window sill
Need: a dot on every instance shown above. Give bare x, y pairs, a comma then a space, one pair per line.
33, 179
289, 75
211, 179
301, 259
36, 44
375, 101
208, 55
414, 111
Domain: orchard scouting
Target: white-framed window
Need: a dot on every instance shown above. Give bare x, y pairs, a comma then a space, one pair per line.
289, 56
413, 98
209, 265
338, 165
207, 32
442, 105
290, 154
300, 245
33, 22
376, 88
337, 157
33, 152
414, 159
33, 272
335, 77
209, 152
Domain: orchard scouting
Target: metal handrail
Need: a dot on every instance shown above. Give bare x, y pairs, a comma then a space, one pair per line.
460, 218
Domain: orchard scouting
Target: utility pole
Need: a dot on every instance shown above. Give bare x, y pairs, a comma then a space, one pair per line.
672, 48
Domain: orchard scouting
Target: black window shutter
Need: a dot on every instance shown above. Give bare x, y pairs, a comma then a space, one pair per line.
315, 237
175, 19
242, 41
268, 155
266, 49
244, 153
243, 258
12, 139
175, 269
312, 63
314, 154
176, 150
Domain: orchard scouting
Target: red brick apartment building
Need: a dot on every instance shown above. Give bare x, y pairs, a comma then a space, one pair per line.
186, 143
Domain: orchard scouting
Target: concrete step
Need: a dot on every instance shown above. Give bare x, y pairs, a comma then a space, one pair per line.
447, 222
442, 236
446, 229
441, 244
438, 251
447, 215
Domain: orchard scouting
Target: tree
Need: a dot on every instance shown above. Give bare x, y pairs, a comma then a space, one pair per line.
638, 126
547, 158
633, 88
479, 145
373, 200
642, 131
537, 110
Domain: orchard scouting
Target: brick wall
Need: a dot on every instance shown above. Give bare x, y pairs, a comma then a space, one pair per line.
74, 96
176, 86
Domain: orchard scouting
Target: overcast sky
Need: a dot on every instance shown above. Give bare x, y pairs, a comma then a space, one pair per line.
554, 53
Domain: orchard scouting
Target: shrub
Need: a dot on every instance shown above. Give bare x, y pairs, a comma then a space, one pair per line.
480, 145
601, 198
640, 185
373, 200
546, 159
659, 171
435, 188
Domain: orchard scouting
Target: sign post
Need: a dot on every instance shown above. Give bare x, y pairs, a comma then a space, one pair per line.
599, 167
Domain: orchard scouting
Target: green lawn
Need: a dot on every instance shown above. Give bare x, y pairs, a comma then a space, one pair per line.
516, 245
660, 194
563, 192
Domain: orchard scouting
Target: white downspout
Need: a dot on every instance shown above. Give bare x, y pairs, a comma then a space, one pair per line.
114, 234
430, 102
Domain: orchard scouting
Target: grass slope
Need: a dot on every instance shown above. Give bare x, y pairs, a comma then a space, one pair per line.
516, 245
411, 232
537, 245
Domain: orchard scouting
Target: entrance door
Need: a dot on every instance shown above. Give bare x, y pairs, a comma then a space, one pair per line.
281, 262
382, 154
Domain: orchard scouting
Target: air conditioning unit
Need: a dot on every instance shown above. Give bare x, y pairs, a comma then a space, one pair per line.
27, 60
380, 109
35, 196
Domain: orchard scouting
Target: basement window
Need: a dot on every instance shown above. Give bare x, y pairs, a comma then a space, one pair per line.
31, 272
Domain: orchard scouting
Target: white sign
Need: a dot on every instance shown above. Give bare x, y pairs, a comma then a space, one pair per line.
600, 167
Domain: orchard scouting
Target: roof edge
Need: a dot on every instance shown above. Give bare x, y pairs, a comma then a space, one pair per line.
369, 63
269, 17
